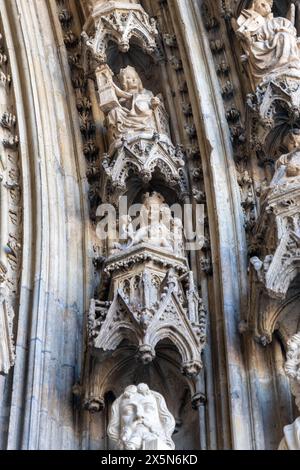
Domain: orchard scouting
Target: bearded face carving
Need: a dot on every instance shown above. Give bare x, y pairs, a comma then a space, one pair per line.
140, 420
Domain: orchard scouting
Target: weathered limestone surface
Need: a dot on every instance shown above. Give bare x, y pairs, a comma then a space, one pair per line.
140, 420
173, 104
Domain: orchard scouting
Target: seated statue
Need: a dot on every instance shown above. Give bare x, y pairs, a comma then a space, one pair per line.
131, 109
140, 420
271, 44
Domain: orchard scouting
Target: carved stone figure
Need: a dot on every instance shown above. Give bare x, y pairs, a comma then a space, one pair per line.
140, 420
130, 109
271, 44
119, 22
7, 351
157, 228
291, 440
138, 133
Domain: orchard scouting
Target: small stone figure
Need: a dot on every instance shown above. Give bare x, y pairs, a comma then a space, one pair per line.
270, 43
129, 110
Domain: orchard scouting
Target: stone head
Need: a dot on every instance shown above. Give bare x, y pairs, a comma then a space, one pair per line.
292, 140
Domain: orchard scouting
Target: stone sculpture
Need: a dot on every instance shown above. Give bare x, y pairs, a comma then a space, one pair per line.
291, 440
130, 109
7, 350
140, 420
151, 291
138, 133
119, 22
271, 44
288, 165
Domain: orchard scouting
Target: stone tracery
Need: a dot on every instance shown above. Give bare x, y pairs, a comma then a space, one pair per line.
150, 294
291, 440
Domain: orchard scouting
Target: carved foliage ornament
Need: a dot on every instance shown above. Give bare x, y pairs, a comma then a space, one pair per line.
11, 213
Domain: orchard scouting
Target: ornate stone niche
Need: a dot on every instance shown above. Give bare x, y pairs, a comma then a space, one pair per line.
146, 319
272, 59
276, 240
122, 368
7, 347
273, 109
122, 22
138, 133
279, 229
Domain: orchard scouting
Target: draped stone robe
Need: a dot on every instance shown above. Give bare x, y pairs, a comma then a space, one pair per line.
271, 45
